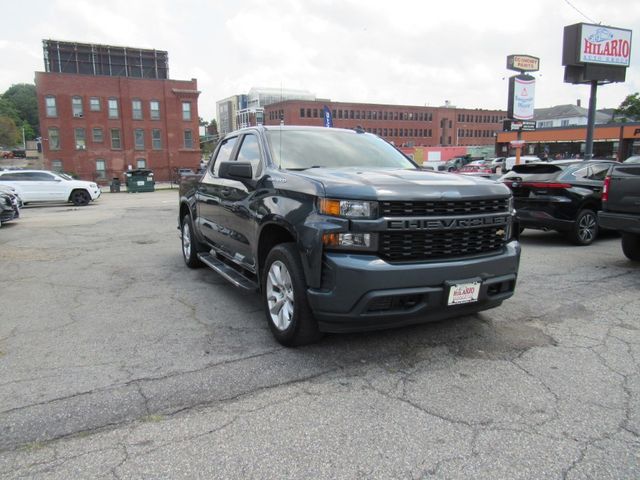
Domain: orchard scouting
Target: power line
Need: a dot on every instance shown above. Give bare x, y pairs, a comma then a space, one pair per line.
576, 9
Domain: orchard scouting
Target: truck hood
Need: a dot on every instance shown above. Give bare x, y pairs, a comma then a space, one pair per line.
391, 184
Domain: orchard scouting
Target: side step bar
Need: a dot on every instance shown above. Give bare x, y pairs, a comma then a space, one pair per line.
227, 272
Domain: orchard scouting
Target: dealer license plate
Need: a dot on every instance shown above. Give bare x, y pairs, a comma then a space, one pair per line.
464, 293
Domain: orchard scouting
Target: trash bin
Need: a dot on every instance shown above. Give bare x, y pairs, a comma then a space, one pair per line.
115, 185
140, 180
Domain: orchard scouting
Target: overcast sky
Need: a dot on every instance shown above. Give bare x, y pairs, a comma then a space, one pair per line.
392, 52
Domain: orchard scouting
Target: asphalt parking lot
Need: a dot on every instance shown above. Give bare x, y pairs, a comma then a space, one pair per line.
116, 361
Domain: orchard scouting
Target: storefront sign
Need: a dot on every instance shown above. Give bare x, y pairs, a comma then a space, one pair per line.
521, 97
605, 45
518, 125
523, 63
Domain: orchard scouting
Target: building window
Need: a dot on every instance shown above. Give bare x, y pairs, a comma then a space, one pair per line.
564, 123
136, 109
113, 108
188, 139
94, 104
81, 141
52, 109
186, 110
116, 143
54, 139
141, 163
97, 135
76, 106
154, 108
138, 136
302, 113
156, 140
56, 165
101, 168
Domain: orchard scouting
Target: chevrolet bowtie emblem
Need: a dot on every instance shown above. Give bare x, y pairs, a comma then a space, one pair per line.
500, 232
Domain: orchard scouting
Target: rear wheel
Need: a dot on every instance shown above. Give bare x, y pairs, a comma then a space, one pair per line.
631, 246
585, 229
285, 298
80, 198
190, 245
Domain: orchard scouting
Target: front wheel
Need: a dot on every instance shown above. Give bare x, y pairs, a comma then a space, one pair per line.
80, 198
631, 246
284, 298
585, 229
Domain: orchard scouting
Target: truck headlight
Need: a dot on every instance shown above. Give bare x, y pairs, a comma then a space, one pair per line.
348, 208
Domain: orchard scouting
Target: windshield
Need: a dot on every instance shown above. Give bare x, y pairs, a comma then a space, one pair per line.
302, 149
65, 176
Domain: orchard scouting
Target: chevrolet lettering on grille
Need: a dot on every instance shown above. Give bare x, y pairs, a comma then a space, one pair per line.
446, 223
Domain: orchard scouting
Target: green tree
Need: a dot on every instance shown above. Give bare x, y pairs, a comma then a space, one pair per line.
8, 132
630, 107
24, 100
7, 109
213, 127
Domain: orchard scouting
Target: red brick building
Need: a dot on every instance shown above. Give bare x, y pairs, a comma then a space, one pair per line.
404, 125
106, 109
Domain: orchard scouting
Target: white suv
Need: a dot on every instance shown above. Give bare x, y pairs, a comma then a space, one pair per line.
45, 186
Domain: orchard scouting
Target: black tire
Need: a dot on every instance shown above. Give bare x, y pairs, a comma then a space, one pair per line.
585, 228
283, 285
190, 245
631, 246
80, 198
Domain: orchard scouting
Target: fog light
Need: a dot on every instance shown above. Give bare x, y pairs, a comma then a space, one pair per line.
347, 240
354, 239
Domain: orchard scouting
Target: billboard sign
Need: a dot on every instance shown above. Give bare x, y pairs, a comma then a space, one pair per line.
523, 63
522, 89
605, 45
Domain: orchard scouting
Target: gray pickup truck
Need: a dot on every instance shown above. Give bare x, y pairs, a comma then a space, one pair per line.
339, 231
621, 206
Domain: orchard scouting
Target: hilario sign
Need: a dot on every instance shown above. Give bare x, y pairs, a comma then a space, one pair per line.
605, 45
522, 89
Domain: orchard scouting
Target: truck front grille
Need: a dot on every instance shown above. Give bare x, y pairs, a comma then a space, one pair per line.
440, 208
434, 245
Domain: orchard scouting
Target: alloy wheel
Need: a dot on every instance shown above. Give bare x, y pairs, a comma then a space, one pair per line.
280, 299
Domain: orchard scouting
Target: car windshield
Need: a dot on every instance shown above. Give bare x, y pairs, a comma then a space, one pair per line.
635, 159
302, 149
65, 176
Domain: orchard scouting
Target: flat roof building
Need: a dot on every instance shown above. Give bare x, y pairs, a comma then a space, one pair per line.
105, 109
404, 125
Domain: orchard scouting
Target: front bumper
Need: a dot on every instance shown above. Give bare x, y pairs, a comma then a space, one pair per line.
622, 222
364, 292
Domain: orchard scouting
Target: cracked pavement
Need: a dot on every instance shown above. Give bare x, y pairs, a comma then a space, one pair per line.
116, 362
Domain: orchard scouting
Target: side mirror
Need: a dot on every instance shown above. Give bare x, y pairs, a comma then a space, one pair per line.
235, 170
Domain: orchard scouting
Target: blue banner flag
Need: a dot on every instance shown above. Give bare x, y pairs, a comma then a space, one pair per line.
328, 119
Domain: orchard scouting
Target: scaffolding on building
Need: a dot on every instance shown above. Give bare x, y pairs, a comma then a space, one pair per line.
109, 60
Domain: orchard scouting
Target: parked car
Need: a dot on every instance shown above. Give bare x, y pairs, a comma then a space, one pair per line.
45, 186
480, 168
435, 165
12, 191
496, 163
563, 195
621, 206
457, 163
511, 161
9, 209
634, 159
